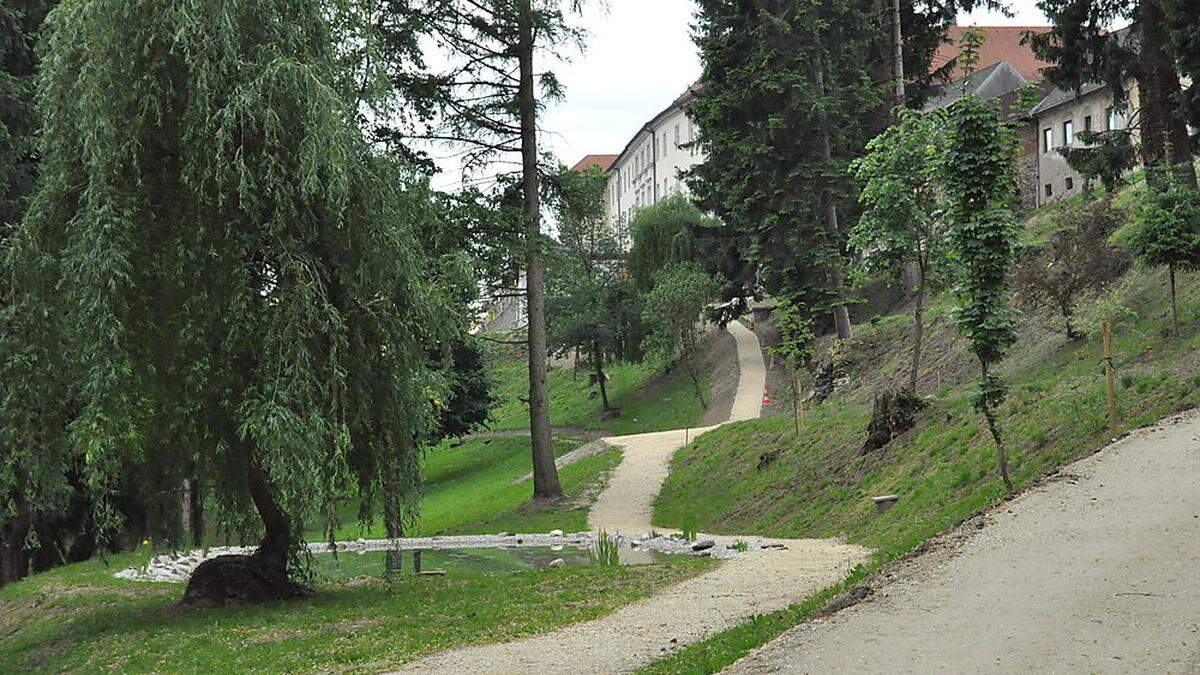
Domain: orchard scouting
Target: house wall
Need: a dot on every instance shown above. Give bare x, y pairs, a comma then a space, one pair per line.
648, 170
1056, 179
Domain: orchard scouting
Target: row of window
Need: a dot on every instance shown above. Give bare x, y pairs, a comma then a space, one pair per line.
1068, 130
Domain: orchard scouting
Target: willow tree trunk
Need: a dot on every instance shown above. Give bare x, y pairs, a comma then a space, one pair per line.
545, 475
14, 559
841, 314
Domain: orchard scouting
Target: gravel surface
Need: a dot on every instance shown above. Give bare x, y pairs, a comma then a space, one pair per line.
1095, 571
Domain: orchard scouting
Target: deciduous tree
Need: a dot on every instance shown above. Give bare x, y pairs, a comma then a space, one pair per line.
232, 273
978, 171
673, 312
901, 224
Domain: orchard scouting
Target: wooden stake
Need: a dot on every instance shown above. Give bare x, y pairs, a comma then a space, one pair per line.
1110, 376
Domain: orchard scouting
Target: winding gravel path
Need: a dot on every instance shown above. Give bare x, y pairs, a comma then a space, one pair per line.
1095, 572
751, 583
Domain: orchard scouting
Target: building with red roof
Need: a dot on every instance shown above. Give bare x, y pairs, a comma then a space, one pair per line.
1000, 43
601, 161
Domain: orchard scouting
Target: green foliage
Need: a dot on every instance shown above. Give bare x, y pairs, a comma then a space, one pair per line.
1105, 156
900, 223
1075, 260
978, 171
673, 230
591, 308
673, 308
794, 347
228, 274
1166, 222
779, 79
1153, 52
606, 550
1166, 225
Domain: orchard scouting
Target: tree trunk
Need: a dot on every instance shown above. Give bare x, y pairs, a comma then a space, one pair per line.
14, 559
1174, 304
250, 579
841, 314
918, 331
1164, 132
1001, 454
277, 528
545, 474
598, 360
898, 56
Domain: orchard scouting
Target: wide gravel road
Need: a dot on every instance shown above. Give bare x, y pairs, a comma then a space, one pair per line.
1095, 572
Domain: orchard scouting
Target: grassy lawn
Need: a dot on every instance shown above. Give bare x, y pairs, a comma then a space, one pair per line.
470, 490
820, 484
78, 618
647, 401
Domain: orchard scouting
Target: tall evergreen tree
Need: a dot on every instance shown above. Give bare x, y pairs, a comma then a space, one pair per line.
780, 114
490, 97
230, 270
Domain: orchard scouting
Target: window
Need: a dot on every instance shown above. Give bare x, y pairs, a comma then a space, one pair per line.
1070, 183
1047, 139
1068, 132
1112, 119
1087, 122
676, 135
691, 131
1049, 190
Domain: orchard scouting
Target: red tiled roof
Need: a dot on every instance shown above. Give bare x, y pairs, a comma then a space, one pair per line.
1001, 43
602, 161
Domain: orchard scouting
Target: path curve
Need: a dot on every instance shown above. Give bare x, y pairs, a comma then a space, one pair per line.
1094, 572
754, 582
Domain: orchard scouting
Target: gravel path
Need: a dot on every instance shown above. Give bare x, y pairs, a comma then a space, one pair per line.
1097, 572
755, 582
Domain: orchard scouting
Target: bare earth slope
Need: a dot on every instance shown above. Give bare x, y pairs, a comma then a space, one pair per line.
1098, 571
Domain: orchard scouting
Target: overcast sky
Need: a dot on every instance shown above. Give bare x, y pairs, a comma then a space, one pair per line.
639, 57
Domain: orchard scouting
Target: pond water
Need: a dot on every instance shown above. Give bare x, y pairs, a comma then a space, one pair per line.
348, 565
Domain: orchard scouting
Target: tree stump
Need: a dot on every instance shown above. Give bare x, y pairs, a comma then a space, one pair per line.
231, 580
895, 413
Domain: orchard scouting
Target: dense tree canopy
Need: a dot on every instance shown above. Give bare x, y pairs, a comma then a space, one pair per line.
228, 275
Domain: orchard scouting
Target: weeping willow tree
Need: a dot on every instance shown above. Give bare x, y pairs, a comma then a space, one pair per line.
221, 275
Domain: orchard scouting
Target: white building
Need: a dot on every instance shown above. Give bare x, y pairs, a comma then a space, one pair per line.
648, 169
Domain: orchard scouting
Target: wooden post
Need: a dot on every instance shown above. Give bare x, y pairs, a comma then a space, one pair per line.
417, 561
1110, 376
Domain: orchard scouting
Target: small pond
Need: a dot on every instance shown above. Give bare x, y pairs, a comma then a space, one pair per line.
348, 565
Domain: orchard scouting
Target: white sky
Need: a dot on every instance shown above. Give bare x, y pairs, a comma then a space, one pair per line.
639, 57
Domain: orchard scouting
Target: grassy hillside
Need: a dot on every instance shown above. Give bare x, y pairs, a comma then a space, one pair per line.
820, 484
79, 618
648, 400
469, 489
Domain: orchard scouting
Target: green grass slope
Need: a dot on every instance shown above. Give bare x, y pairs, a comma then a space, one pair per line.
759, 477
470, 489
78, 618
648, 400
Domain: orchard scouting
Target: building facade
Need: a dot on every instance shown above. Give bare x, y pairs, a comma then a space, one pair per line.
1059, 119
649, 169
